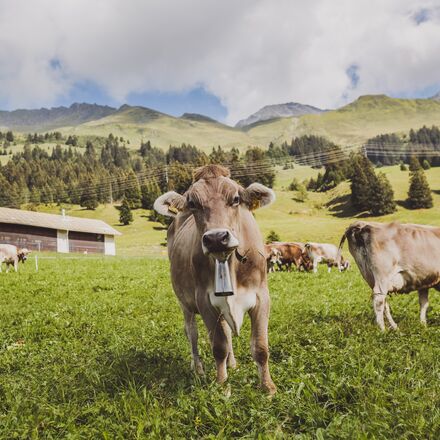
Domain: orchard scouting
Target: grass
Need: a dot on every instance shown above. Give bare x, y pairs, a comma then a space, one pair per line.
94, 348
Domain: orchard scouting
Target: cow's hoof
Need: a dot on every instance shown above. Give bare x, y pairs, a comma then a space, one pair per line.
232, 363
197, 367
269, 388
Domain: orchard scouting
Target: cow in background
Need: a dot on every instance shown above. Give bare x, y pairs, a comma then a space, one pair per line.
273, 257
11, 256
394, 257
292, 254
325, 253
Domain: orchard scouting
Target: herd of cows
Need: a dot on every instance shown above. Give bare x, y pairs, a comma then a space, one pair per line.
214, 227
303, 256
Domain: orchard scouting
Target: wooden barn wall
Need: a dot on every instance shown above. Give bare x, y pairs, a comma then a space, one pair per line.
85, 242
28, 236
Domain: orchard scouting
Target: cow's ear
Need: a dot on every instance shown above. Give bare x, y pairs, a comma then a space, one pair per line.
257, 195
169, 204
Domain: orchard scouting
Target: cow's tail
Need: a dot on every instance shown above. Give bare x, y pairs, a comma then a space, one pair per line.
341, 245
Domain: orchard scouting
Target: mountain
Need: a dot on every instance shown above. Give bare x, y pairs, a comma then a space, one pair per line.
356, 122
139, 123
48, 119
436, 97
197, 117
269, 112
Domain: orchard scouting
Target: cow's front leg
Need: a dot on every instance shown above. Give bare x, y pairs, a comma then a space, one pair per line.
215, 324
193, 336
379, 300
315, 265
424, 303
259, 340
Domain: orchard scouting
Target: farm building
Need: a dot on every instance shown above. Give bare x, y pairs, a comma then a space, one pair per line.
56, 233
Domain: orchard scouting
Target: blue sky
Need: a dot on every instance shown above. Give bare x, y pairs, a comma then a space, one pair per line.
223, 59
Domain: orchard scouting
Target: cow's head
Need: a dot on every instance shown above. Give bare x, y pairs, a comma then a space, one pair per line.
306, 262
216, 202
274, 256
22, 254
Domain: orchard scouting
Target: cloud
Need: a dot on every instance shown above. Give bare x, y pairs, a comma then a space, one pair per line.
248, 53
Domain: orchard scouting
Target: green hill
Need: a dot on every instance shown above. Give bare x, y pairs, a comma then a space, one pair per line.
139, 123
364, 118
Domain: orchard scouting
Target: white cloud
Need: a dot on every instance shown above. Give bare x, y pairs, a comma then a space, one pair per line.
249, 53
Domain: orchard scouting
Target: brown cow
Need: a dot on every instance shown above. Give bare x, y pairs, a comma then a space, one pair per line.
292, 253
273, 257
213, 219
11, 256
395, 257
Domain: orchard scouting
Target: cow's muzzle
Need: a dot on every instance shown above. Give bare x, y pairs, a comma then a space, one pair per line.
219, 243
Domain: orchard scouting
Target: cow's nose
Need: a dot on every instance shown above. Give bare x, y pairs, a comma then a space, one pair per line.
216, 238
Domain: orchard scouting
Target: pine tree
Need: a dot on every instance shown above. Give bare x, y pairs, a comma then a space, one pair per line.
89, 199
361, 181
150, 192
382, 196
132, 192
125, 214
419, 194
414, 164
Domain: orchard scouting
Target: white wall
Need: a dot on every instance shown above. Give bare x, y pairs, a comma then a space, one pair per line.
109, 245
63, 241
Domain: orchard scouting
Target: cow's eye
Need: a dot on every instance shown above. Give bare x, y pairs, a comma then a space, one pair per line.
191, 204
236, 201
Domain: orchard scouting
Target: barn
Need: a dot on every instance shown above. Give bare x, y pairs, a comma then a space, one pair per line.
56, 233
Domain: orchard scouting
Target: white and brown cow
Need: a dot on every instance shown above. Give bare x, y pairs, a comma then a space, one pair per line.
325, 253
214, 218
273, 257
395, 257
11, 256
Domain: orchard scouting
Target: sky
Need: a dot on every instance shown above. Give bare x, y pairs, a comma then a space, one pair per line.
225, 59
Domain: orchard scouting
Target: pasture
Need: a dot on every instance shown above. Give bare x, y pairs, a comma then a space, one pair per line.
95, 348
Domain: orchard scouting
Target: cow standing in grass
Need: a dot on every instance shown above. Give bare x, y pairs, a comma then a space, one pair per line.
213, 219
395, 257
325, 253
11, 256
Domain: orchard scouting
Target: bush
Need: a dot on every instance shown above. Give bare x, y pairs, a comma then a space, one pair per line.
125, 214
426, 165
403, 167
272, 236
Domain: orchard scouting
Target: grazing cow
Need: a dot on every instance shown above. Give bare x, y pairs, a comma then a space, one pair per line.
213, 220
395, 257
273, 257
11, 256
325, 253
292, 253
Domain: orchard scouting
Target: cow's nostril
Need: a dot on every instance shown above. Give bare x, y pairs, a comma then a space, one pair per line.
206, 240
224, 237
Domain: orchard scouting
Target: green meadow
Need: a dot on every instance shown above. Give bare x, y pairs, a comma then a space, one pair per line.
94, 348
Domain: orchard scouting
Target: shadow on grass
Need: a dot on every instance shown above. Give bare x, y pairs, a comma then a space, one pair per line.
142, 369
341, 207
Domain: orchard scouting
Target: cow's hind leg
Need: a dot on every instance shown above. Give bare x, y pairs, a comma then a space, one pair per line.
232, 363
193, 337
379, 301
393, 325
259, 341
424, 303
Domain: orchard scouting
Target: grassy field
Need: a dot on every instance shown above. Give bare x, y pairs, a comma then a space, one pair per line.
95, 348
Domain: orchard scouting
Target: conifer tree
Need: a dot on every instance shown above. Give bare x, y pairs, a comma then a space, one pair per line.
382, 196
419, 194
125, 214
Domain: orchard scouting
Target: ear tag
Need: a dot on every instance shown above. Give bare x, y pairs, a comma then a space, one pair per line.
223, 283
173, 209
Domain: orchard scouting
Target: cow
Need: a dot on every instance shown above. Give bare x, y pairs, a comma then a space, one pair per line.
395, 258
214, 220
11, 256
292, 253
325, 253
273, 257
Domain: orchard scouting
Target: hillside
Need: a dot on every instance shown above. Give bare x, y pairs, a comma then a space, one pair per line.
268, 112
140, 123
356, 122
48, 119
